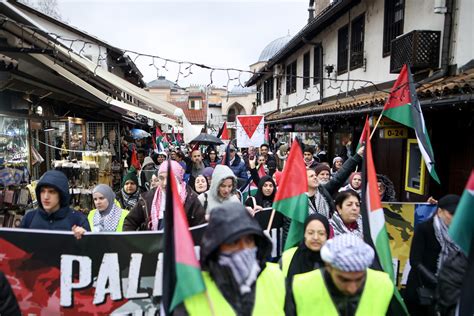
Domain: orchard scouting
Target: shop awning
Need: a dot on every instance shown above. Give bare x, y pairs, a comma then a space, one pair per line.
85, 65
99, 94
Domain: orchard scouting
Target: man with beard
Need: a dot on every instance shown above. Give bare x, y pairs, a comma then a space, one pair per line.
195, 166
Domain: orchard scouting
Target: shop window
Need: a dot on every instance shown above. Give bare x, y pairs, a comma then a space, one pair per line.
392, 23
291, 78
357, 42
306, 67
317, 64
342, 49
268, 90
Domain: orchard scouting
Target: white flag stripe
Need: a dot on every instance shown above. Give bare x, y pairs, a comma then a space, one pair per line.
376, 219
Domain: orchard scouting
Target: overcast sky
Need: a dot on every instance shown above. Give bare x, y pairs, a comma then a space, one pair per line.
223, 33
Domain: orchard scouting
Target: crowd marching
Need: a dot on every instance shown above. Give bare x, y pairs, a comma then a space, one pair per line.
330, 271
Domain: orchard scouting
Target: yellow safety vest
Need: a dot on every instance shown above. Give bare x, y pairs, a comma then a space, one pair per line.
286, 258
312, 297
269, 296
119, 228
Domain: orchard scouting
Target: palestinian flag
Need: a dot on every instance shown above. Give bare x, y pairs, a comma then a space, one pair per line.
375, 232
158, 141
223, 133
182, 276
404, 107
291, 199
461, 229
226, 158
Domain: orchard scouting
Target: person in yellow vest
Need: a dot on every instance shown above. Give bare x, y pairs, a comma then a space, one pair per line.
307, 257
108, 216
237, 278
346, 286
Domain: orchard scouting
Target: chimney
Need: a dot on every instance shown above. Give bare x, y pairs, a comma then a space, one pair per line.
311, 10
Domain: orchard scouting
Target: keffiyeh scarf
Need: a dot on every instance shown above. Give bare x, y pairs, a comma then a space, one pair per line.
320, 204
107, 222
158, 204
340, 228
447, 244
130, 200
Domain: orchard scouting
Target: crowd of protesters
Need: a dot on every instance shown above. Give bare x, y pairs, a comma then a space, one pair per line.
329, 273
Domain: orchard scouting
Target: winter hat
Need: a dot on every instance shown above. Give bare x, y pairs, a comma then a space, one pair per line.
449, 202
321, 167
347, 253
107, 192
130, 176
336, 159
177, 169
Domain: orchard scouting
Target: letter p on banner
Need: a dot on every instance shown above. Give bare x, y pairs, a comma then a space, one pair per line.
85, 276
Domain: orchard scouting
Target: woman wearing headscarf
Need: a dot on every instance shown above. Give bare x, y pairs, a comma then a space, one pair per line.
355, 183
306, 256
281, 156
148, 212
129, 194
347, 219
223, 185
264, 196
200, 184
107, 216
430, 247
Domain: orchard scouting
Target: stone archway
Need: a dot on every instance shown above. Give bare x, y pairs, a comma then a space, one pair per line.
234, 110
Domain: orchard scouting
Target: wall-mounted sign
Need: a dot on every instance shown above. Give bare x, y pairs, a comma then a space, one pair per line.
393, 132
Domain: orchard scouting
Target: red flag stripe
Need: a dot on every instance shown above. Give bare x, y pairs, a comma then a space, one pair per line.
374, 199
184, 244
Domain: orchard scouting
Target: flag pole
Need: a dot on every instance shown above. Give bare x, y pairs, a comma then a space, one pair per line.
376, 124
211, 306
270, 222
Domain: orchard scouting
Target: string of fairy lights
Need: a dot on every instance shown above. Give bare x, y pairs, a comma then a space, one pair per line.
342, 87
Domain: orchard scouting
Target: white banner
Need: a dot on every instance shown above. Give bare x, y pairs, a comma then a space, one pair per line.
250, 130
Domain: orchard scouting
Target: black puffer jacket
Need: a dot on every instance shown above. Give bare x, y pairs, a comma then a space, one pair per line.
450, 280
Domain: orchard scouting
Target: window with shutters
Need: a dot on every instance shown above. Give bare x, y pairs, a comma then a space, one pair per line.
306, 67
394, 13
291, 78
268, 90
342, 49
317, 64
357, 42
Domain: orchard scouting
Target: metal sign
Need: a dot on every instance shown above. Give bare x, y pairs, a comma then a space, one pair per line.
393, 132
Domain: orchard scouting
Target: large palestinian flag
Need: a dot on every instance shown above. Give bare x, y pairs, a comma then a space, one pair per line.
404, 107
291, 199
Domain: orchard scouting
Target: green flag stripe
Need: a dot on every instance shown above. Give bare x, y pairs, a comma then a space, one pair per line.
189, 282
295, 207
400, 114
295, 234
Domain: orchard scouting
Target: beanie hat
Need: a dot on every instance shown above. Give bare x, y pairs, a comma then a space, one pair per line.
336, 159
321, 167
130, 176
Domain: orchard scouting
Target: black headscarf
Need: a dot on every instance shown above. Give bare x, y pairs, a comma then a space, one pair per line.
304, 259
260, 198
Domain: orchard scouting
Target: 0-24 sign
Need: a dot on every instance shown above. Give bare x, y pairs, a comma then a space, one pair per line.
394, 132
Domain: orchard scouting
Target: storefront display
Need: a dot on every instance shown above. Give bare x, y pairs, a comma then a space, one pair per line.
14, 175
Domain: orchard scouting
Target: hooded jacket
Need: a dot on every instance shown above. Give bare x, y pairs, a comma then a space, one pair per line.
149, 168
64, 218
211, 199
239, 168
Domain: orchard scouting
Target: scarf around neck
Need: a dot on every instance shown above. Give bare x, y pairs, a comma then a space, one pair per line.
304, 260
158, 204
447, 245
107, 221
130, 200
340, 228
320, 204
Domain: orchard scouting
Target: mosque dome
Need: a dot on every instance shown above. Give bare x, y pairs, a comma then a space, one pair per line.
273, 47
